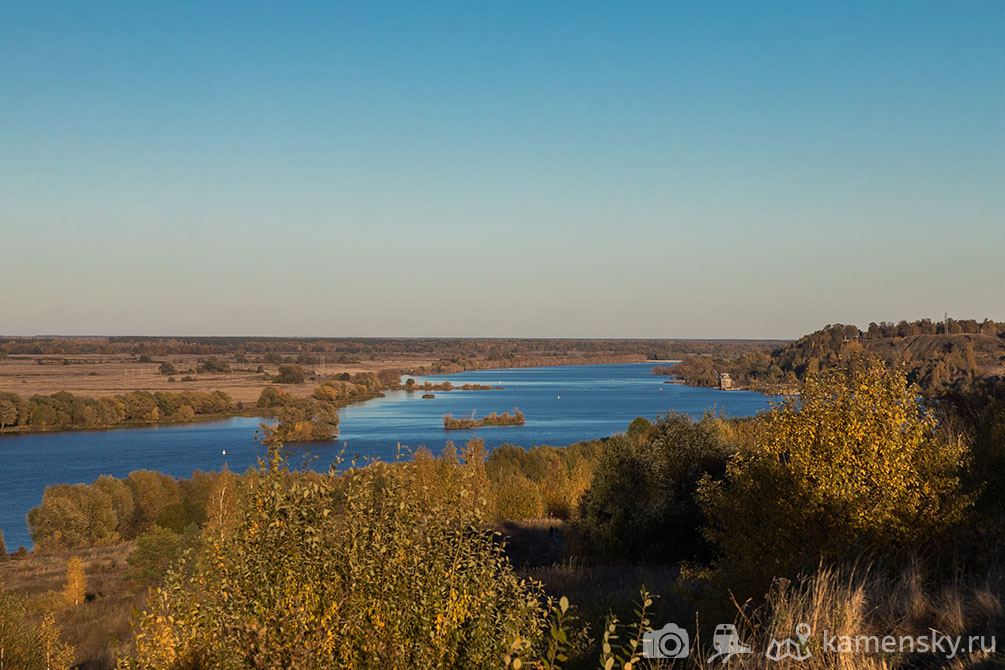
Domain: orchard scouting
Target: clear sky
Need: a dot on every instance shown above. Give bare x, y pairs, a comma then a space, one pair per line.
577, 169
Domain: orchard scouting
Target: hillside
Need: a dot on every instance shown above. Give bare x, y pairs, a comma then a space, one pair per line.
937, 355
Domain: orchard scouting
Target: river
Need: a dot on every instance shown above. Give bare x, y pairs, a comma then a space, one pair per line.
562, 404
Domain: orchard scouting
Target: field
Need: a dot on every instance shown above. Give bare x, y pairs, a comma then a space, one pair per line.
98, 375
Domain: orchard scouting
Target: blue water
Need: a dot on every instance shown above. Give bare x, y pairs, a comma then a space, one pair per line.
563, 404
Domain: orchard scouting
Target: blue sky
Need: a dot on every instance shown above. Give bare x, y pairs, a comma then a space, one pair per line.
499, 169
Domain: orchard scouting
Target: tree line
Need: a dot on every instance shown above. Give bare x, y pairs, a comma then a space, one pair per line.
64, 410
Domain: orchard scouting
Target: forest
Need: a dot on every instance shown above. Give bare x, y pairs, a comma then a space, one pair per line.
443, 354
937, 355
857, 505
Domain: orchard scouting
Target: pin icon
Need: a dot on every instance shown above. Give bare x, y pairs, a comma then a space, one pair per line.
803, 631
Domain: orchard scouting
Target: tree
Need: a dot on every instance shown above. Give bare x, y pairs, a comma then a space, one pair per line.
75, 589
167, 369
853, 466
3, 546
641, 502
121, 498
156, 499
156, 551
72, 516
8, 409
213, 364
290, 374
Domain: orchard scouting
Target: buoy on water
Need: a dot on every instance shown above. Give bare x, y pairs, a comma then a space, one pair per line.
224, 452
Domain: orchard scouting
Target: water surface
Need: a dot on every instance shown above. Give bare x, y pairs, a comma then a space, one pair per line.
562, 404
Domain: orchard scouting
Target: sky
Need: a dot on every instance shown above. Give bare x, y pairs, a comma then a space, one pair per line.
499, 169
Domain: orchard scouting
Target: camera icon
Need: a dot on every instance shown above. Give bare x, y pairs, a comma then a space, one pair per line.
670, 641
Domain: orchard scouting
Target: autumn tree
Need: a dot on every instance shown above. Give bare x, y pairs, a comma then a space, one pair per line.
75, 588
9, 404
352, 571
73, 515
290, 374
853, 466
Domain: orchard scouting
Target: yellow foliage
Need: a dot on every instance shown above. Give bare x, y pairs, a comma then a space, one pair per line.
76, 583
853, 466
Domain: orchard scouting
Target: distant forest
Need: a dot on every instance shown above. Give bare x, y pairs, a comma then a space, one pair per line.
938, 355
449, 354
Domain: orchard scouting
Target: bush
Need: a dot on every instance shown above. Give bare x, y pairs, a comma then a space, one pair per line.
30, 642
517, 497
356, 571
852, 467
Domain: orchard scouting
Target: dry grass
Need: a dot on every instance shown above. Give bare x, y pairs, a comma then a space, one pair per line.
862, 604
105, 375
95, 627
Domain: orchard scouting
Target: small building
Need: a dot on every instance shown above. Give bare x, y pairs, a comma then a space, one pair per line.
725, 381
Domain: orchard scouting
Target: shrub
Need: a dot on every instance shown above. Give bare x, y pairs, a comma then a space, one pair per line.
30, 642
303, 420
356, 571
853, 466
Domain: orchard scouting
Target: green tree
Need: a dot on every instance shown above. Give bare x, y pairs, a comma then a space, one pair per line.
121, 498
641, 502
156, 550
